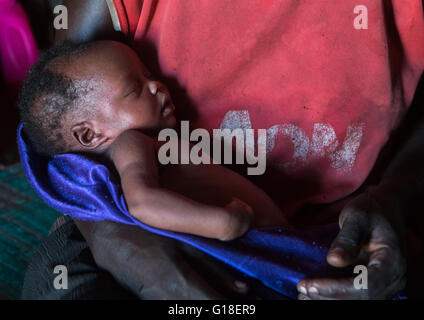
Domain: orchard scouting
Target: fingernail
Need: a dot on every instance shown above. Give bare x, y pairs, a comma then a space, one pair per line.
336, 252
313, 290
302, 289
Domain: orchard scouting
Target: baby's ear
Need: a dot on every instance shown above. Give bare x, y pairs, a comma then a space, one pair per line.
87, 136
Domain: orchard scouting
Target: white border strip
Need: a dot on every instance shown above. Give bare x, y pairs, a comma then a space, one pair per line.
114, 15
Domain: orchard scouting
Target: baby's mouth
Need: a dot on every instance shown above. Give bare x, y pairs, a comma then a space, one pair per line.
167, 106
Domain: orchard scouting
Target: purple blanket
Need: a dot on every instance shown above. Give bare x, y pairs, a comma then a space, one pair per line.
85, 189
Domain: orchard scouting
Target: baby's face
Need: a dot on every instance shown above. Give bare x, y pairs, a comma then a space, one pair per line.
123, 92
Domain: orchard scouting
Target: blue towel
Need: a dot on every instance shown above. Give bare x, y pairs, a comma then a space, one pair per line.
85, 189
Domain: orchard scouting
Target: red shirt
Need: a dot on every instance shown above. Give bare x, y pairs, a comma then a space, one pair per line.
328, 93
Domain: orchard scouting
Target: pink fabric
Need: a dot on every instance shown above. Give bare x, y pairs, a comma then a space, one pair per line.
328, 94
18, 49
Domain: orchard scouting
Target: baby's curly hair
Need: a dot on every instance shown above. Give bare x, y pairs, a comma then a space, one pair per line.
46, 96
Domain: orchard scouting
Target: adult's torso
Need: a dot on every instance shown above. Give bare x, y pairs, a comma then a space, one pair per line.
328, 94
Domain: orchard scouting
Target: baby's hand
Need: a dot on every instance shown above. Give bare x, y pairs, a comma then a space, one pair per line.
240, 217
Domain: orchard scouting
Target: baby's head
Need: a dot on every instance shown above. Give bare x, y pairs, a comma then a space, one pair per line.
79, 98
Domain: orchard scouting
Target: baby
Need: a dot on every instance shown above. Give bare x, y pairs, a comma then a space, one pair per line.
98, 98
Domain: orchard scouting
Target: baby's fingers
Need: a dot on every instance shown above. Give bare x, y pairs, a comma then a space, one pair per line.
238, 205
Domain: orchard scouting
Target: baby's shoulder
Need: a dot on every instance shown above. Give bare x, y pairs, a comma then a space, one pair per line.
132, 144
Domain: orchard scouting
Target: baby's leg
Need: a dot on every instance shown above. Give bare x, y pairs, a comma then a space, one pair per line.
266, 211
217, 185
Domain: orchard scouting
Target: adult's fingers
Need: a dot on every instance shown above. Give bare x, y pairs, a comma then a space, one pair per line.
346, 247
330, 289
386, 273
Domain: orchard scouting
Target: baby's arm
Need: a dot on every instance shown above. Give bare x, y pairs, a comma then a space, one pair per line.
134, 156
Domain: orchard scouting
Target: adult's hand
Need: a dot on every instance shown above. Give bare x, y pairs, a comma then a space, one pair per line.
155, 267
371, 235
